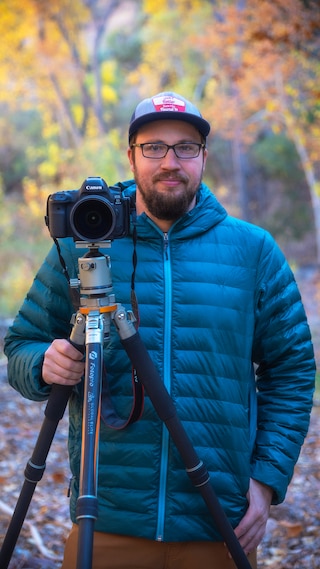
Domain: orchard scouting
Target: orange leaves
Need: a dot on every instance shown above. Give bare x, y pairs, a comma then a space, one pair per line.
292, 529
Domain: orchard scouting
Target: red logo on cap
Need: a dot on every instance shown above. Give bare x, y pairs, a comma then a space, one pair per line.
168, 103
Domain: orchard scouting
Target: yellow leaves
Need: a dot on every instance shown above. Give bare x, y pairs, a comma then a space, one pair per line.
152, 6
291, 90
216, 50
171, 44
47, 170
35, 199
17, 281
50, 129
77, 113
146, 81
272, 105
109, 94
317, 189
183, 6
108, 71
108, 78
92, 127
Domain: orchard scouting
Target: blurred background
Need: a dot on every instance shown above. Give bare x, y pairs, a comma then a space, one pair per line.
72, 72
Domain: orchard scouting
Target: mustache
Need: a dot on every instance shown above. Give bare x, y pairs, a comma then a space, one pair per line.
167, 176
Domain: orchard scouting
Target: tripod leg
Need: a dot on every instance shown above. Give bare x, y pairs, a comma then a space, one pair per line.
35, 468
87, 503
165, 408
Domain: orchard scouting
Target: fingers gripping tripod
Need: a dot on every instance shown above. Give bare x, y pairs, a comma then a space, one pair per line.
91, 326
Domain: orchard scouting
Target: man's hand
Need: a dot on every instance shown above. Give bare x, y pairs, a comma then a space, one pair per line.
251, 529
62, 364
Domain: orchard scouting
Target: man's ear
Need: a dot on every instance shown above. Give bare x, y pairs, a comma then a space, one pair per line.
130, 158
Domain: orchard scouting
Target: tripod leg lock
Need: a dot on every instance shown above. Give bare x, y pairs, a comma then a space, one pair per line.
198, 475
124, 322
87, 507
34, 472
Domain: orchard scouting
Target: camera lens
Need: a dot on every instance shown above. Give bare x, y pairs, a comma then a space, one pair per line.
92, 219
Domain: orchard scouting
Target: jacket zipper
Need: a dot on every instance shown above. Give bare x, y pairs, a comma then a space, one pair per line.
167, 383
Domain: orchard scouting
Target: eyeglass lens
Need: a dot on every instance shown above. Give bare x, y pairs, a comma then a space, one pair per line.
181, 150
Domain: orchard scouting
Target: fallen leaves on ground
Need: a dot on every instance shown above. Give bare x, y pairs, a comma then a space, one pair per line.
46, 526
292, 540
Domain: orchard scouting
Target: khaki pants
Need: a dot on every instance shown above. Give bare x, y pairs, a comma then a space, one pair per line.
122, 552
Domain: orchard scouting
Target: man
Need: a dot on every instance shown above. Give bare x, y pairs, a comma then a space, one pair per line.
217, 300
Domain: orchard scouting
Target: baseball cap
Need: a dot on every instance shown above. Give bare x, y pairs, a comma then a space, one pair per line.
164, 106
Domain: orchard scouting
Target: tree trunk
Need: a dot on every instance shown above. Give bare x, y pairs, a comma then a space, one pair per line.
314, 185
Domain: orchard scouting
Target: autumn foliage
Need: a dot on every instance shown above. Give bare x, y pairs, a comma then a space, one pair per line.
72, 70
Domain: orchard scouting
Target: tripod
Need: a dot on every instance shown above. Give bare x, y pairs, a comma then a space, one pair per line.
91, 326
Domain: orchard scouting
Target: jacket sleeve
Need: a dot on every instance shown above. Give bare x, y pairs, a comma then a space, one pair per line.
44, 315
285, 374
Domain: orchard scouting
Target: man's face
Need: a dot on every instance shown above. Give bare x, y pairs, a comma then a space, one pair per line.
166, 187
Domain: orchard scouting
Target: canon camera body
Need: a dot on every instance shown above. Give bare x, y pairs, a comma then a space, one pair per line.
93, 213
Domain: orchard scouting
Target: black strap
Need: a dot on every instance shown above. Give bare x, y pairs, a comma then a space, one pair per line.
134, 300
108, 413
74, 292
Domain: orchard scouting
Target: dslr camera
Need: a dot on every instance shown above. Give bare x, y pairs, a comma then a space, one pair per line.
93, 213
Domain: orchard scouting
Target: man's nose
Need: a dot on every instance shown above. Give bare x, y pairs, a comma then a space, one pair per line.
170, 159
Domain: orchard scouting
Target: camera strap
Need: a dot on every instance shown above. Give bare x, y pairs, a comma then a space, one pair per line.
74, 292
108, 413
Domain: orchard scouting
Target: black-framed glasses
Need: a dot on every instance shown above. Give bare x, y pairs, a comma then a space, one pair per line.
183, 150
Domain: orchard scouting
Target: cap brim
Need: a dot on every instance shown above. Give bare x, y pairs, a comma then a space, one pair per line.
198, 122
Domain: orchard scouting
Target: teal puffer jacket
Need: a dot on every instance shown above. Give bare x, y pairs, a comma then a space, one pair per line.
222, 319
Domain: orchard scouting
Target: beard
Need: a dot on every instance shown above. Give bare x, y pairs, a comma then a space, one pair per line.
169, 205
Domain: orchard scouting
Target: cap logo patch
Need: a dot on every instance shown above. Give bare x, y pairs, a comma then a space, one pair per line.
168, 103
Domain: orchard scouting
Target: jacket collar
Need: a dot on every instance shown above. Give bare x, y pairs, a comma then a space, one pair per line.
207, 213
